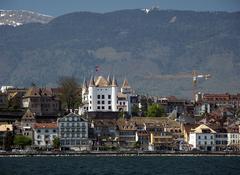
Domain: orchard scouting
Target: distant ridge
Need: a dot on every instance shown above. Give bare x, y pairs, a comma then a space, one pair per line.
148, 48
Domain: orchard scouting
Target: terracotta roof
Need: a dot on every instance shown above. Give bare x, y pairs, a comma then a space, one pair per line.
45, 125
104, 123
121, 95
33, 91
101, 82
126, 125
37, 92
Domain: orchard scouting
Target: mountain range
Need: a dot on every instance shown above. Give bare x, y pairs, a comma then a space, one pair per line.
20, 17
157, 51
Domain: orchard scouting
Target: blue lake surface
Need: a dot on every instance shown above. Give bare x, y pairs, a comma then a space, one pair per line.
120, 165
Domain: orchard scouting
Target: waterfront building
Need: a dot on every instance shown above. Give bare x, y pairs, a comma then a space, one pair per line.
161, 141
127, 134
73, 132
105, 133
221, 140
103, 95
143, 138
202, 138
233, 141
44, 134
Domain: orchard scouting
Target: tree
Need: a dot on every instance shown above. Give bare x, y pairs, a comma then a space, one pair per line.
155, 110
22, 141
135, 110
56, 142
70, 95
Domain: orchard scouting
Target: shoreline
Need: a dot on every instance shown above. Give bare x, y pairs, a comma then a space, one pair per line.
121, 154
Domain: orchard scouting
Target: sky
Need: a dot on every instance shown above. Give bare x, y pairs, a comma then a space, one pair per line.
60, 7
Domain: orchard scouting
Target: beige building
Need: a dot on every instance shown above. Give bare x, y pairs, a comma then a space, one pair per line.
41, 101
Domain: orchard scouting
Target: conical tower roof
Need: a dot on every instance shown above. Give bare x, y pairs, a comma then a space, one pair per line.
114, 82
109, 80
92, 82
125, 84
84, 85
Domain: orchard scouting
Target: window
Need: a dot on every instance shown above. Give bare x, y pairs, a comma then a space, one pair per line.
205, 137
38, 131
109, 96
103, 107
98, 97
46, 130
103, 102
54, 130
90, 96
103, 97
98, 102
109, 102
90, 102
109, 107
98, 107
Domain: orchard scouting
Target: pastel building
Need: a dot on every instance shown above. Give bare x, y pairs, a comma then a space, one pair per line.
44, 134
104, 95
202, 138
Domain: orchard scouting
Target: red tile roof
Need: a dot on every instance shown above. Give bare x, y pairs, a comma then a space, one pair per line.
45, 125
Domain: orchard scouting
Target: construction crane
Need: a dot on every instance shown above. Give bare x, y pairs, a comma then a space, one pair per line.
194, 75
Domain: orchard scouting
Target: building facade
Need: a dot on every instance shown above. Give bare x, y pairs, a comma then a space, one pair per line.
44, 134
202, 138
73, 132
103, 95
41, 101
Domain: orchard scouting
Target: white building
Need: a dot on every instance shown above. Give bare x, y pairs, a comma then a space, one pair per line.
73, 132
202, 138
44, 134
233, 140
103, 94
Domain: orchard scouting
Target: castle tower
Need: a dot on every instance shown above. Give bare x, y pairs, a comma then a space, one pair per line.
114, 94
92, 95
126, 88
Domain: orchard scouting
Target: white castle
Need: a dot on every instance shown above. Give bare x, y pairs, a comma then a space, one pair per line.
103, 95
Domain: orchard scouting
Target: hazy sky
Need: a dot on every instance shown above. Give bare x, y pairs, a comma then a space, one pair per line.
59, 7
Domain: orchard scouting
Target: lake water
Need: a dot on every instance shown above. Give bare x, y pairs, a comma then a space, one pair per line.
120, 165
